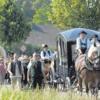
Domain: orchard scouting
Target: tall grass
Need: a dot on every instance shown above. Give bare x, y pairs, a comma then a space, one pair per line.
46, 94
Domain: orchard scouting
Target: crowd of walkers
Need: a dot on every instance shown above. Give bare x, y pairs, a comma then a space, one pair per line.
22, 70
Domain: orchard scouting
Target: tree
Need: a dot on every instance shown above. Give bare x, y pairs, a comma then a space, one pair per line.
75, 13
27, 7
2, 2
41, 10
14, 27
34, 10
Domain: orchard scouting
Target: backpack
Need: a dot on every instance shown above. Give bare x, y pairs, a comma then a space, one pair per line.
44, 53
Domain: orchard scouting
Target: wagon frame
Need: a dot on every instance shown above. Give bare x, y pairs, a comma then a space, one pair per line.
66, 42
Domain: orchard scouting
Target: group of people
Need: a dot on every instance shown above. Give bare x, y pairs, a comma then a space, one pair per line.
83, 43
23, 70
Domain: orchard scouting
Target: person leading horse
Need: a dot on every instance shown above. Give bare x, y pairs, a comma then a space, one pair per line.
48, 61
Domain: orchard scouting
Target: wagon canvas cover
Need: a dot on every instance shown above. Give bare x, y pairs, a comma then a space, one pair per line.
72, 34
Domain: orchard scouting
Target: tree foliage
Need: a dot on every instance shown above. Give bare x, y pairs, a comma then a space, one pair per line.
27, 7
34, 10
75, 13
14, 27
71, 13
2, 2
41, 10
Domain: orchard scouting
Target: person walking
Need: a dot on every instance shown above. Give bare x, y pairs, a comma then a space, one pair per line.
24, 61
16, 71
47, 57
35, 70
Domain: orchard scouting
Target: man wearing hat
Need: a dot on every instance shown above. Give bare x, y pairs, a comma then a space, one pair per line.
46, 54
48, 57
82, 43
95, 41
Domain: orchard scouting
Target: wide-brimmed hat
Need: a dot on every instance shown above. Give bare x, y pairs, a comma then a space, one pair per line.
83, 32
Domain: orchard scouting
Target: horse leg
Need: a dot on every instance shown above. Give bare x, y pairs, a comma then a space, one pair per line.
80, 85
91, 87
87, 87
96, 88
52, 70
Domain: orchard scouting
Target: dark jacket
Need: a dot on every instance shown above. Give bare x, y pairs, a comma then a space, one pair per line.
13, 67
38, 70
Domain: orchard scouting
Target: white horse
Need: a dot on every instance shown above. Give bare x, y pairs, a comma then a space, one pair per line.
94, 54
94, 58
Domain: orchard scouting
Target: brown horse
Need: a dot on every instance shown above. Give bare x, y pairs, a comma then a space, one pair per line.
87, 74
48, 68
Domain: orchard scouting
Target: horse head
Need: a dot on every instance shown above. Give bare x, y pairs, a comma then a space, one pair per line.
94, 55
83, 73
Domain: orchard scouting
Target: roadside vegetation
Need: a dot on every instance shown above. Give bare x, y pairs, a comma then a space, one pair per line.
46, 94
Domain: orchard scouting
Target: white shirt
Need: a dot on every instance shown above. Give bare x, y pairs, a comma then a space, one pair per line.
96, 42
47, 55
85, 41
29, 65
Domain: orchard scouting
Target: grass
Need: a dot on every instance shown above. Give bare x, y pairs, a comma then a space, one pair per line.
10, 94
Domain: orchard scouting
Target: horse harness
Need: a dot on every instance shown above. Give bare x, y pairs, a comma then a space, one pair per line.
89, 65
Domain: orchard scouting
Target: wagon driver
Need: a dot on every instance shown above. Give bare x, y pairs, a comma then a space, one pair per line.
82, 43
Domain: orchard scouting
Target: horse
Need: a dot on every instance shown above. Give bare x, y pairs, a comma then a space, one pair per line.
86, 66
48, 71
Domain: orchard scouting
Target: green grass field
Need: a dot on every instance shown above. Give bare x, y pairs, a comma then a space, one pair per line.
47, 94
